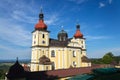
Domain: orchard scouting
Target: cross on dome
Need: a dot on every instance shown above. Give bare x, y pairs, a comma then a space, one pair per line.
41, 15
78, 34
41, 25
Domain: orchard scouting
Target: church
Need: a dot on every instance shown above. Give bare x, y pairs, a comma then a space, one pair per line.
52, 59
54, 54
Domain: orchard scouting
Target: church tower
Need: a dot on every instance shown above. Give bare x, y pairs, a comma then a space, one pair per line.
40, 36
40, 42
78, 36
62, 53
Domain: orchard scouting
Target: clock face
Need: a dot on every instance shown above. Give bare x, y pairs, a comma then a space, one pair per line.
43, 42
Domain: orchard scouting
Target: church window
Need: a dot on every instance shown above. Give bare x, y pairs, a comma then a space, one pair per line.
81, 52
34, 42
60, 39
46, 67
74, 63
43, 52
52, 53
43, 42
81, 46
53, 66
43, 36
82, 42
64, 38
74, 54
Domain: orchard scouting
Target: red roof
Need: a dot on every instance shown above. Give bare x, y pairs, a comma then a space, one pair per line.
26, 67
40, 25
78, 34
53, 74
71, 71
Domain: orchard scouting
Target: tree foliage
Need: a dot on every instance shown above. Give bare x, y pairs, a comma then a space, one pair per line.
2, 75
96, 61
108, 58
117, 59
3, 69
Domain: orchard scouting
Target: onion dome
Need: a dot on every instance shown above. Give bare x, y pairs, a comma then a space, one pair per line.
62, 35
16, 71
44, 60
41, 25
78, 34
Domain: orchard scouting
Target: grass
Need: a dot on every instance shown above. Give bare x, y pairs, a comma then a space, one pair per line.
4, 67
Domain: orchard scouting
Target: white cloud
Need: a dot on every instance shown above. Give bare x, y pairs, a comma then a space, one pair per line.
52, 20
100, 53
3, 47
8, 52
96, 37
22, 16
78, 1
101, 5
115, 50
27, 14
14, 33
110, 1
15, 40
19, 10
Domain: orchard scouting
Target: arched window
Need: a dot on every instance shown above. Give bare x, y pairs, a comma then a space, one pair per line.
34, 42
47, 68
74, 54
43, 42
43, 36
60, 39
53, 66
52, 53
74, 64
64, 38
82, 46
81, 42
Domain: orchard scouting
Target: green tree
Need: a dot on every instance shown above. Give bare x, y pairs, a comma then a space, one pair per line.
2, 76
108, 58
117, 59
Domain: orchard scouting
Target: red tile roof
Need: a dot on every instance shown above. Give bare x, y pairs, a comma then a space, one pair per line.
53, 74
40, 25
71, 71
78, 34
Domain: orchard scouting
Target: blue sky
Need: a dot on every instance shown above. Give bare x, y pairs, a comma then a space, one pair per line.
99, 20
